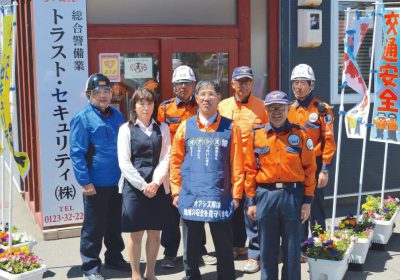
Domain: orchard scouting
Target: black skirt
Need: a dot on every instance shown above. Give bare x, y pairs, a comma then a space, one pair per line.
142, 213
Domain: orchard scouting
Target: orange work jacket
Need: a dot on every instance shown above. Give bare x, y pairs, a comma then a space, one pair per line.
174, 111
317, 118
283, 156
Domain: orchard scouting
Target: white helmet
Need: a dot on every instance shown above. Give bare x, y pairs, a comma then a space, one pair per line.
182, 74
302, 72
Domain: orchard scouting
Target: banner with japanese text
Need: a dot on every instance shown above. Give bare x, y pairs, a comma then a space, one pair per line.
385, 118
61, 73
21, 159
356, 117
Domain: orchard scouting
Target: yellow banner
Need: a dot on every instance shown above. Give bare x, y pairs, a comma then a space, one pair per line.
1, 149
20, 158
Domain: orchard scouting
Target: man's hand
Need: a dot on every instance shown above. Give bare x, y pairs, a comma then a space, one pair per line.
175, 201
89, 189
251, 212
150, 190
305, 212
235, 203
322, 180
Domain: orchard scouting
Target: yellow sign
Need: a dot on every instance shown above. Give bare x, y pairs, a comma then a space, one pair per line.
109, 66
20, 158
1, 149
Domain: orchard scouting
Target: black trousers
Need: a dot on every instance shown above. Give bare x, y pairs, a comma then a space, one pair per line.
221, 233
171, 233
102, 220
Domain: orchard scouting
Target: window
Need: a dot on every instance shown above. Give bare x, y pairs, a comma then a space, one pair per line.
338, 25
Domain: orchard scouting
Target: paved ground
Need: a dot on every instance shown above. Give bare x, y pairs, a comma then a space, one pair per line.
63, 260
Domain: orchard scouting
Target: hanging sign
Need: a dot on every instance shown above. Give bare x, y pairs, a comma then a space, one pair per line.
109, 66
138, 67
385, 118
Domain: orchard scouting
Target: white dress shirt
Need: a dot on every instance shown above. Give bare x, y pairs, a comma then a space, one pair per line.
207, 122
129, 172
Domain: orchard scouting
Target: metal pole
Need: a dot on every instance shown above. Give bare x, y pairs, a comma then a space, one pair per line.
371, 67
341, 111
384, 174
12, 92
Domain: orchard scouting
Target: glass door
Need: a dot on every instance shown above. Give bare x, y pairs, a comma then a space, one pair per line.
129, 64
209, 58
133, 63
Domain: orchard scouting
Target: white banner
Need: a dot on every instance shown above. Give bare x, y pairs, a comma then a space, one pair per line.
61, 73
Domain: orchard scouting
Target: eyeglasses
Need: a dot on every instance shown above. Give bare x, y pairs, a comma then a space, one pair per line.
203, 95
246, 81
276, 107
182, 84
103, 91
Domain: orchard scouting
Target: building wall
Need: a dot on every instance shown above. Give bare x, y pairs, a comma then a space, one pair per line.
221, 12
319, 59
259, 45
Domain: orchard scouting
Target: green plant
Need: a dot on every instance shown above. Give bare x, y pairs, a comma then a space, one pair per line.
360, 229
18, 260
372, 209
321, 246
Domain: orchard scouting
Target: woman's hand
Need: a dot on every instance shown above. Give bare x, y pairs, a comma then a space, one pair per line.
151, 190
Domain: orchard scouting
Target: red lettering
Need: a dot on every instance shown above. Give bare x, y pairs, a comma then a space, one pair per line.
388, 73
392, 22
388, 98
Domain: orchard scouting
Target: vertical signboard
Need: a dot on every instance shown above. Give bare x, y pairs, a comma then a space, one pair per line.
61, 72
386, 115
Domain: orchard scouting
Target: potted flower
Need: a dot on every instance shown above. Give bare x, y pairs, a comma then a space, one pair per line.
20, 263
18, 239
328, 258
384, 217
362, 230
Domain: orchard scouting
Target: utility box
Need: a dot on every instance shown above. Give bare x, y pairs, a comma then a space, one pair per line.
309, 3
309, 28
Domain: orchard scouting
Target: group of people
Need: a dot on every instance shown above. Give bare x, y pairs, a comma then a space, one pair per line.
252, 169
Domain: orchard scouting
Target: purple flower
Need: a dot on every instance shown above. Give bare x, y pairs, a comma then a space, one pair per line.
386, 210
329, 242
333, 252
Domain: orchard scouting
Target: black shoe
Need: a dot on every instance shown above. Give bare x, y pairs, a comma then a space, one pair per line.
121, 265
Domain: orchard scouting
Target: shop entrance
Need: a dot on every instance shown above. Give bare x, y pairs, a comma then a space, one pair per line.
133, 63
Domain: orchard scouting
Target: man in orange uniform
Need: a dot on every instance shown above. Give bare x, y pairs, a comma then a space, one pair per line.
173, 112
317, 118
380, 124
392, 126
283, 171
207, 178
247, 112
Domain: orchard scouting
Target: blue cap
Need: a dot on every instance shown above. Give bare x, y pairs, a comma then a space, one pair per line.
392, 116
381, 114
276, 97
242, 72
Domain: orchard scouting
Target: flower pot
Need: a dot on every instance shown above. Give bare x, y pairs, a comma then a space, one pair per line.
29, 275
383, 230
328, 269
360, 249
29, 244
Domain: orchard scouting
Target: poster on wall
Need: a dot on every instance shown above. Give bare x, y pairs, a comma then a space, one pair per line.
61, 73
109, 66
138, 67
385, 118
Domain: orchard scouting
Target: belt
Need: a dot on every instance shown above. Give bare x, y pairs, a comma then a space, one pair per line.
275, 186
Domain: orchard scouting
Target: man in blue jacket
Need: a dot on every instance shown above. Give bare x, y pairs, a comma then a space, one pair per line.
94, 132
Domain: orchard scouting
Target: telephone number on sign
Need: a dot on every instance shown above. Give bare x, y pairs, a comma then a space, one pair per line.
68, 217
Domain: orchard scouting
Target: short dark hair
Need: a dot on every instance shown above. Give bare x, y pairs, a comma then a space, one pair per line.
142, 94
204, 83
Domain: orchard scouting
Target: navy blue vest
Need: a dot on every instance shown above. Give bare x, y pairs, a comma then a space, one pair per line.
206, 178
145, 151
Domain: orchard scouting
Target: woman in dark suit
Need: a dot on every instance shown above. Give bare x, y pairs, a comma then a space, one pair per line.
143, 156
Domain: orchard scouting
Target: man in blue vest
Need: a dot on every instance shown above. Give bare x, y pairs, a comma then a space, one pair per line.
207, 178
94, 158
